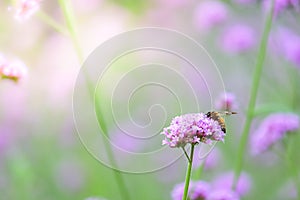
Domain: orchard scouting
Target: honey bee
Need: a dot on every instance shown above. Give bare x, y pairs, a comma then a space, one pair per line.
217, 116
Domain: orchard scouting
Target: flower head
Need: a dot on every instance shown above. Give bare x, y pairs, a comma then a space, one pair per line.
209, 14
197, 190
225, 181
280, 5
226, 101
238, 38
192, 128
222, 194
289, 43
14, 70
26, 9
273, 129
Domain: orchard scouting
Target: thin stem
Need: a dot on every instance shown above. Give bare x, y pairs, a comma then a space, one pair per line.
186, 155
71, 24
188, 174
51, 22
253, 95
118, 175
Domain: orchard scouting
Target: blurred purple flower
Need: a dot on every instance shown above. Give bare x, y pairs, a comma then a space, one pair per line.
126, 142
280, 5
226, 101
192, 128
289, 45
222, 194
177, 192
197, 190
6, 138
273, 129
211, 160
238, 38
208, 14
13, 70
201, 190
225, 181
26, 8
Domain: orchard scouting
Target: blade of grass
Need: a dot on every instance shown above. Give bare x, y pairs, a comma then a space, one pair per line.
70, 21
253, 95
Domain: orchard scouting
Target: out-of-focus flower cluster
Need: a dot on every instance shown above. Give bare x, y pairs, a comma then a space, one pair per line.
288, 45
219, 189
226, 101
26, 8
273, 129
192, 128
13, 70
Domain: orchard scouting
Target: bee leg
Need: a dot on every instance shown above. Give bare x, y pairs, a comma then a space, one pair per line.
224, 130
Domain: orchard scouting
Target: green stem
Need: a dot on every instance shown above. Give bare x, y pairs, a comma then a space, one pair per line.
200, 170
186, 155
51, 22
71, 24
118, 175
188, 174
253, 95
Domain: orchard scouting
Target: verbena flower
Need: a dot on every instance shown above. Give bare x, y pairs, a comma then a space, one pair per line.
272, 129
200, 191
289, 45
26, 8
238, 39
225, 181
192, 128
197, 190
210, 161
281, 5
14, 70
222, 194
226, 101
210, 13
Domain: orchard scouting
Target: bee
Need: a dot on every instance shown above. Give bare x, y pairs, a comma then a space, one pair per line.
217, 116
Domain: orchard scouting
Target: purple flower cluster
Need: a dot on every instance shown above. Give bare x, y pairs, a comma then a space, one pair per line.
289, 43
13, 70
238, 38
192, 128
273, 129
225, 181
197, 190
281, 5
26, 8
226, 101
209, 14
219, 190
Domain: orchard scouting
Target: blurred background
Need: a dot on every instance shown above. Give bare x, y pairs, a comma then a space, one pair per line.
41, 154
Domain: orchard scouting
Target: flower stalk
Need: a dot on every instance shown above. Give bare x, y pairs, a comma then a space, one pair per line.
253, 95
188, 173
71, 25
